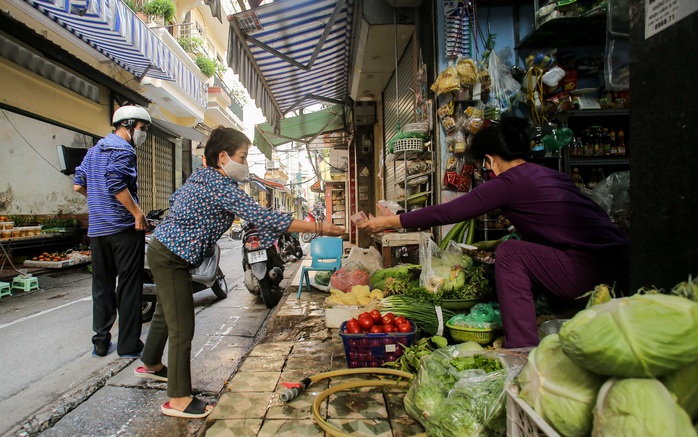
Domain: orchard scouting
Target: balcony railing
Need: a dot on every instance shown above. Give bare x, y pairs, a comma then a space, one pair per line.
235, 107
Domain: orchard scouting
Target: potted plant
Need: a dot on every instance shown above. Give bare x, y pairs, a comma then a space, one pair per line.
191, 44
206, 65
160, 8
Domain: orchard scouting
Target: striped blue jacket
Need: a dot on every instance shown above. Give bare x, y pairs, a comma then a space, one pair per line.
108, 168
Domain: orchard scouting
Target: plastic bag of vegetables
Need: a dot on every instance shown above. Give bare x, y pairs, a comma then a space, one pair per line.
641, 335
561, 392
461, 393
639, 407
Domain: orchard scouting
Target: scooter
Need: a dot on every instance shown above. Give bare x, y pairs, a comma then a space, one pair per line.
263, 269
289, 246
236, 230
207, 275
306, 237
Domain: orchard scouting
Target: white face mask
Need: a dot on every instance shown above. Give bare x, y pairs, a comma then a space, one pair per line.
139, 137
235, 170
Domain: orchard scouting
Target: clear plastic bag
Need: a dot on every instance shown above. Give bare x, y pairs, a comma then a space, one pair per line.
504, 88
472, 402
370, 259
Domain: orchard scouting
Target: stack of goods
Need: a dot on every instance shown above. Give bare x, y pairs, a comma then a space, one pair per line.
628, 366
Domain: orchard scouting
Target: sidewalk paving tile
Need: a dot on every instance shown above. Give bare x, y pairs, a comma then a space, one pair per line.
235, 428
365, 427
291, 428
298, 408
254, 382
357, 405
264, 364
241, 406
281, 349
317, 363
406, 427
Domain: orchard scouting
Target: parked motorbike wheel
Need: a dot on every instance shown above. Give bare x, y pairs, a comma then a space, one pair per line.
220, 288
148, 307
269, 295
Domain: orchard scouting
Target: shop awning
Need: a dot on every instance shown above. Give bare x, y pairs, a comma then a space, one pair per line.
302, 128
290, 54
111, 28
181, 131
316, 188
270, 184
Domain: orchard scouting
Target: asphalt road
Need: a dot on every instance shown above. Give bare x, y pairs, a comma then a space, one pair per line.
49, 377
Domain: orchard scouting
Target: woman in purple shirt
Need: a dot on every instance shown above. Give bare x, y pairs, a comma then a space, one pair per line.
568, 243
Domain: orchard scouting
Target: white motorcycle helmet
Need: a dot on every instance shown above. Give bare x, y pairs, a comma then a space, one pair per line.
126, 115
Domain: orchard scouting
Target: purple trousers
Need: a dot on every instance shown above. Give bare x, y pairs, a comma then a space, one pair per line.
564, 275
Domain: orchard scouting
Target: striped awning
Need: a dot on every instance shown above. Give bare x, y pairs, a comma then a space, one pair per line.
113, 29
290, 54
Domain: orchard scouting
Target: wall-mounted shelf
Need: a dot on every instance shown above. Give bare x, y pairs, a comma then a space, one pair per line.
567, 32
599, 161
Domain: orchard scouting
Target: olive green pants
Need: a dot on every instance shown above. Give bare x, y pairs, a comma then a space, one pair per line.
173, 317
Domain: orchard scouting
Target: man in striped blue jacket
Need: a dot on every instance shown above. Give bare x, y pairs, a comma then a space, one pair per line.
108, 178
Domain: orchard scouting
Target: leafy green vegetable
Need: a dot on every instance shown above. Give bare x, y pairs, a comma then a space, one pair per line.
396, 279
684, 385
452, 402
323, 278
639, 407
412, 356
561, 392
637, 336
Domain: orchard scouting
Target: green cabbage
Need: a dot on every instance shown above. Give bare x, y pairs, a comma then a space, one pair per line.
561, 392
637, 336
684, 385
636, 407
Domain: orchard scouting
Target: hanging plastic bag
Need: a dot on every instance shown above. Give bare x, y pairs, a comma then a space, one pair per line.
504, 88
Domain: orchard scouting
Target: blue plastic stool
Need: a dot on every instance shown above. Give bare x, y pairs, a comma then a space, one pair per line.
5, 289
25, 284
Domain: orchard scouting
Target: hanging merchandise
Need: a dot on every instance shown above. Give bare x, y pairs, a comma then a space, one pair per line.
504, 88
457, 28
421, 100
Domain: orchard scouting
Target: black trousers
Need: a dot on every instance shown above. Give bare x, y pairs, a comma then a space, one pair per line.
119, 256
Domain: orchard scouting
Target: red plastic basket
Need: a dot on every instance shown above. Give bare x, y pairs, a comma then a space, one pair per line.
372, 350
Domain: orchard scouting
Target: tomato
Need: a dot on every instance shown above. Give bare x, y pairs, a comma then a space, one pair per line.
388, 318
376, 316
405, 327
376, 329
364, 314
352, 322
365, 322
389, 328
400, 320
354, 329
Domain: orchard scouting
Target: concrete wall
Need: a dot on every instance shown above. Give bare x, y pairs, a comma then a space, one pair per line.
30, 177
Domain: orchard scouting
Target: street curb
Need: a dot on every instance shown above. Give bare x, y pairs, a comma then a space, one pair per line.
50, 414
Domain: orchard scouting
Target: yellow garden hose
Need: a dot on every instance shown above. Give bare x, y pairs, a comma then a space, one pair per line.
332, 430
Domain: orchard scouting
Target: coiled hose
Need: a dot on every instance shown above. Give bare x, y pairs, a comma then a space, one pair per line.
332, 430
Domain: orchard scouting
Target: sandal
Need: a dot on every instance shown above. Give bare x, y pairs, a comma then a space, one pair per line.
143, 372
195, 410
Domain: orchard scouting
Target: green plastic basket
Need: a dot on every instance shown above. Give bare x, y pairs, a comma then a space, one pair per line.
461, 334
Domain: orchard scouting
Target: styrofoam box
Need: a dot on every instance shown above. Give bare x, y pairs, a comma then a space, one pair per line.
338, 314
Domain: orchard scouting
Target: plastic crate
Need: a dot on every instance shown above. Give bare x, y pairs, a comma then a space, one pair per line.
408, 145
522, 420
372, 350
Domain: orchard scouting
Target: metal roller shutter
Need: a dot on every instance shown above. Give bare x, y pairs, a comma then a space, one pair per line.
402, 110
155, 172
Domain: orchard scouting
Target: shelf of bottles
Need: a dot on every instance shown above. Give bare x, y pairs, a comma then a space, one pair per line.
598, 146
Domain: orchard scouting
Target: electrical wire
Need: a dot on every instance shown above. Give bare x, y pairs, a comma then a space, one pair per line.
30, 145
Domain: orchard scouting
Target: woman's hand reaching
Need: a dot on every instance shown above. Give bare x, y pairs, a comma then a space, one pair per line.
329, 229
376, 224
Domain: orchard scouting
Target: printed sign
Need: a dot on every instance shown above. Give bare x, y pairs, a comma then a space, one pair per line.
660, 14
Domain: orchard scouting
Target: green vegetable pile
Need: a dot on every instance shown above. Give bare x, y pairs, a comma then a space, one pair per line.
412, 356
460, 393
646, 343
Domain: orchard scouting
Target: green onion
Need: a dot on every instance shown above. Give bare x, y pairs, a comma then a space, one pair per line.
422, 313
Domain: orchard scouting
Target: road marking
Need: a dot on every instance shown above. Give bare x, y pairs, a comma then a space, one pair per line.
41, 313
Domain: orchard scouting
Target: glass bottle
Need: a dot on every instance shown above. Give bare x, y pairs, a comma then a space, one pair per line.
622, 149
614, 145
606, 142
593, 179
598, 148
588, 143
577, 178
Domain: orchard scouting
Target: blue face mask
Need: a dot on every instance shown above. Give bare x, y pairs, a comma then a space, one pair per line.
485, 173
